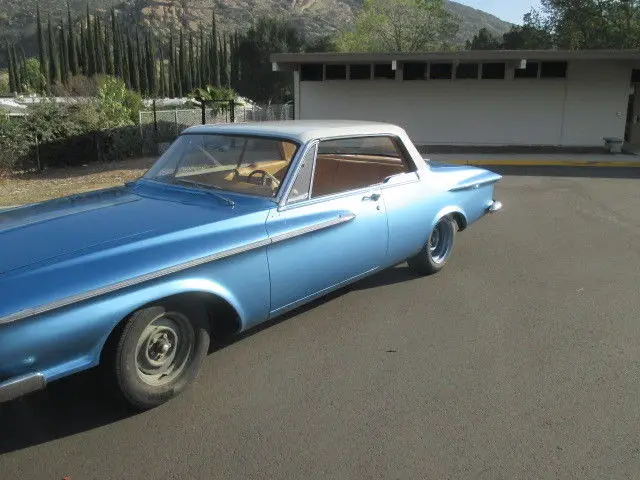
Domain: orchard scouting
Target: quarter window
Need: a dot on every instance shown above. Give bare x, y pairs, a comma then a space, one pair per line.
352, 163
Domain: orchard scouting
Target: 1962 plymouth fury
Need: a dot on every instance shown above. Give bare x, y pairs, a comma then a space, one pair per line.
234, 225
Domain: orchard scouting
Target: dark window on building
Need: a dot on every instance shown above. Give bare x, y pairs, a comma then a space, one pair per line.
311, 72
494, 71
467, 71
553, 70
360, 72
384, 70
530, 72
335, 72
441, 71
415, 71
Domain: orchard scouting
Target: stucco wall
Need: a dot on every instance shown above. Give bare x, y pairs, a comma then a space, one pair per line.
578, 111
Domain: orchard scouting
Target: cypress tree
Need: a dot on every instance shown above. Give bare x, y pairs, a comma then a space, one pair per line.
53, 67
192, 65
224, 72
72, 50
44, 69
126, 62
203, 76
106, 45
162, 87
134, 70
117, 46
171, 90
22, 69
152, 79
213, 53
12, 71
141, 65
63, 52
84, 52
98, 46
182, 71
91, 49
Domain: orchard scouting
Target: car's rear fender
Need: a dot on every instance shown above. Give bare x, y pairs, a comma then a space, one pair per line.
34, 344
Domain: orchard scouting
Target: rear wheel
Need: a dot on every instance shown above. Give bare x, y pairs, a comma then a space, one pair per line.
437, 250
159, 352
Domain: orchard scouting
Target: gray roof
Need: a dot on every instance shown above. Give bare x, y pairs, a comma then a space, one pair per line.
301, 130
463, 55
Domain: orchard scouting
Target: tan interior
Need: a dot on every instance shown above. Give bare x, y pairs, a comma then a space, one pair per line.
340, 173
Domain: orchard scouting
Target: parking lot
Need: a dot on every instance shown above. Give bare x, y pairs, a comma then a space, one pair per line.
520, 360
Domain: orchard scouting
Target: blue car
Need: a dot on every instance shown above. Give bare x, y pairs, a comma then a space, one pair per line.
234, 225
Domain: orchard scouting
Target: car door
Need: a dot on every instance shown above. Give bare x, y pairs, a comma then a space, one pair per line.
324, 240
411, 207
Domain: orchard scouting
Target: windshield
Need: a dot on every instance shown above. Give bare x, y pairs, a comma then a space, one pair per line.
235, 163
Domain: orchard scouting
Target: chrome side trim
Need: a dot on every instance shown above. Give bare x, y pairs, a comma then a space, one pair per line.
65, 302
313, 228
494, 207
473, 185
19, 386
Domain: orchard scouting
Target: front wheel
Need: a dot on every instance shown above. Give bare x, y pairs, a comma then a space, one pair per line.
160, 351
437, 250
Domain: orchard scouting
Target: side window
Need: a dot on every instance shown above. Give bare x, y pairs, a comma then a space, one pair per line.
351, 163
300, 191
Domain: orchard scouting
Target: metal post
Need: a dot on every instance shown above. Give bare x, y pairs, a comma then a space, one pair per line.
204, 112
176, 115
232, 115
155, 122
38, 153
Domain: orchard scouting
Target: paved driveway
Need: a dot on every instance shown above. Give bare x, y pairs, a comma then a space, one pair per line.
520, 360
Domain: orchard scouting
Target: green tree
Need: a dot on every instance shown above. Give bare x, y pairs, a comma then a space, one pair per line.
13, 74
72, 49
118, 105
92, 68
41, 48
117, 45
266, 36
33, 79
64, 54
53, 63
213, 52
484, 40
401, 26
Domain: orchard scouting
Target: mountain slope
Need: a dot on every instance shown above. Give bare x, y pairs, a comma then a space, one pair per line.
315, 17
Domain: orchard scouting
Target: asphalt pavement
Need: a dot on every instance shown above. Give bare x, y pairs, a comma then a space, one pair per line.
520, 360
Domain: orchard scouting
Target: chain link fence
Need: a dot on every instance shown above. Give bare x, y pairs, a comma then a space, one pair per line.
160, 127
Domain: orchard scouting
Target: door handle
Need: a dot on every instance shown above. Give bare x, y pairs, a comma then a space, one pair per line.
374, 197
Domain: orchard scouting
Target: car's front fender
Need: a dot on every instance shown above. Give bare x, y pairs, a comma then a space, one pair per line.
71, 339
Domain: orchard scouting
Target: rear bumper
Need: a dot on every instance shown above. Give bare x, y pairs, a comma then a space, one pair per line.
494, 207
19, 386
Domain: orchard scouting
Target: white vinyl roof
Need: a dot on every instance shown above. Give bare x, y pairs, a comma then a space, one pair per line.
300, 130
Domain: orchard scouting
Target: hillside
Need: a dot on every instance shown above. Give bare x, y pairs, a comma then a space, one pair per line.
316, 18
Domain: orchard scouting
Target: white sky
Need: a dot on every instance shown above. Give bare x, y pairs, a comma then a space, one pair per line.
509, 10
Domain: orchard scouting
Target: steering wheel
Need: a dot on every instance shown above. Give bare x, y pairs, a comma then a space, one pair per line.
265, 175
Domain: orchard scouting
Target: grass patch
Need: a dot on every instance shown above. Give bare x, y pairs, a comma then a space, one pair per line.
21, 188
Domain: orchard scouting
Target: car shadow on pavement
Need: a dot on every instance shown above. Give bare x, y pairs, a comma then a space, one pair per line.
560, 171
83, 401
72, 405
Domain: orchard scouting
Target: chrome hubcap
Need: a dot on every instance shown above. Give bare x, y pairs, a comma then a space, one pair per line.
441, 241
164, 349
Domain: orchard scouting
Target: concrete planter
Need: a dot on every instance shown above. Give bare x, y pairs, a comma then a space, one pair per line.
614, 144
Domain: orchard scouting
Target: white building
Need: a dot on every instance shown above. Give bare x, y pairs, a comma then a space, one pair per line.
498, 98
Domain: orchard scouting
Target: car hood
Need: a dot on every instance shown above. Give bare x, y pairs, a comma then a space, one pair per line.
81, 224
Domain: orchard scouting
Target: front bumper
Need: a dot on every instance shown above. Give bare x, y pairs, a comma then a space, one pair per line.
494, 207
19, 386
